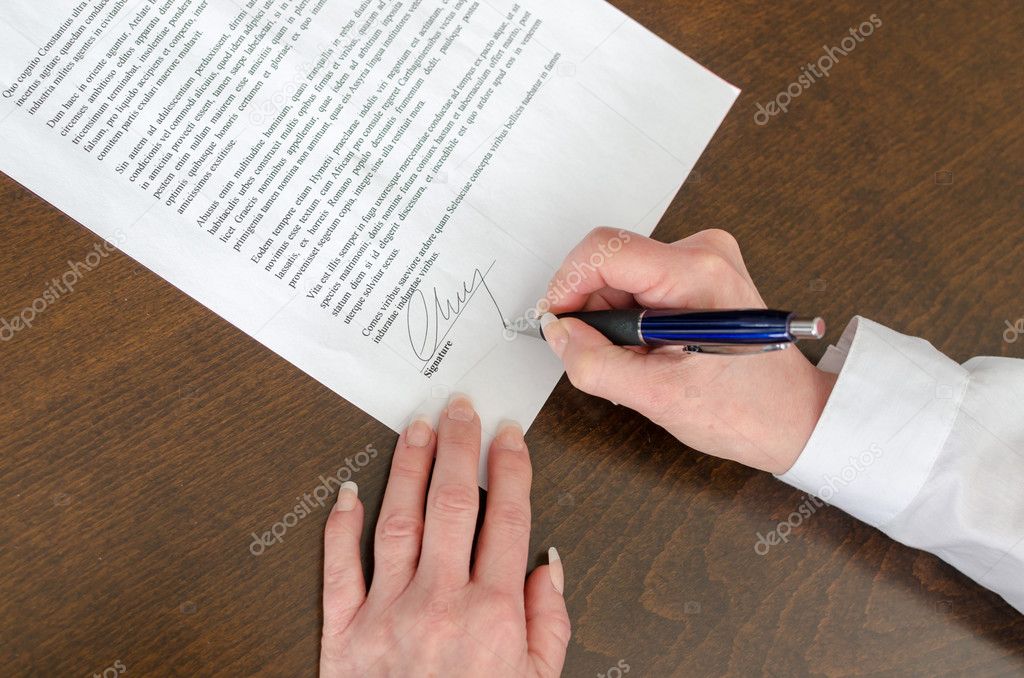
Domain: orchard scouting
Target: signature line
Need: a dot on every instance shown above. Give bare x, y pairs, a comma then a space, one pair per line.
483, 281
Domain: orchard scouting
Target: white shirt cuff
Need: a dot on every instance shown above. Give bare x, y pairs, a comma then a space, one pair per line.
884, 425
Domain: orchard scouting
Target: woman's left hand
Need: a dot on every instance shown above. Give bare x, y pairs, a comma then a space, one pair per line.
427, 612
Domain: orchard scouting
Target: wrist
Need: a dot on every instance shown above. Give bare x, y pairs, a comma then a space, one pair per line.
816, 388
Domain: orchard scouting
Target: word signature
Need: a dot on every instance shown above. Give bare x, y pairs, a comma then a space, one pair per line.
430, 322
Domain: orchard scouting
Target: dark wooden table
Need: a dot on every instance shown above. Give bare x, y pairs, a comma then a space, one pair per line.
144, 439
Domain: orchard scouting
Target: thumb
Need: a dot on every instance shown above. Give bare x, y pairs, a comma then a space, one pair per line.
594, 364
547, 621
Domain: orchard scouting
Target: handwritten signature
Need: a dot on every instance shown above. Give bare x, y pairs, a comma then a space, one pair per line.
429, 324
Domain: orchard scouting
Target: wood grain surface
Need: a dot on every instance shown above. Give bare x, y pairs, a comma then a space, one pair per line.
144, 439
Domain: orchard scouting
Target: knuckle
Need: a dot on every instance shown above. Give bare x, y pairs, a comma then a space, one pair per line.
581, 380
585, 371
709, 263
460, 444
509, 517
341, 576
724, 240
513, 466
404, 468
438, 611
400, 527
561, 628
337, 530
456, 501
440, 619
601, 235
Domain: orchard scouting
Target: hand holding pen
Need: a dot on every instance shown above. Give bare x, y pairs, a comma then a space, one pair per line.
758, 410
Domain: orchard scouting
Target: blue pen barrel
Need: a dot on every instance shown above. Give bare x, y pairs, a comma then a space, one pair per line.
753, 326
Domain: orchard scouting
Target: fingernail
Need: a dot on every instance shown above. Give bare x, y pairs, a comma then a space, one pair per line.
460, 408
348, 493
555, 333
510, 437
419, 432
555, 570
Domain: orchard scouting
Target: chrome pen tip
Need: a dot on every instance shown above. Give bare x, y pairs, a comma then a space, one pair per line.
807, 329
525, 327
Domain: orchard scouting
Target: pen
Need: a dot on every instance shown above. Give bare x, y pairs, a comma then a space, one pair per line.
725, 332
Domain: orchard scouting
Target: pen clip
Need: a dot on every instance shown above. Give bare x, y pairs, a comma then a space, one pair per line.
736, 349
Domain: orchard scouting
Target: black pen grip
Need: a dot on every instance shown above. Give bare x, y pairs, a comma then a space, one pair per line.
621, 327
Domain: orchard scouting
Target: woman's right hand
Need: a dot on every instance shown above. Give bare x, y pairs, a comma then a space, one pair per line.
758, 410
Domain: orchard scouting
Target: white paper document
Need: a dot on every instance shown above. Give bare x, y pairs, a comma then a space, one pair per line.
372, 189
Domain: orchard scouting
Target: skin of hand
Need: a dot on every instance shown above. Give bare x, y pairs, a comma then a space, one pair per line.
428, 612
758, 410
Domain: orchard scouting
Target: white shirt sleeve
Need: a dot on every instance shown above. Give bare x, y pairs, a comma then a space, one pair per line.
928, 451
